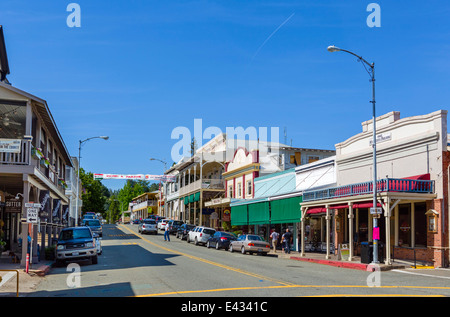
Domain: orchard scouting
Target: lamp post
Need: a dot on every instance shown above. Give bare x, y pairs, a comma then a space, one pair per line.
371, 72
79, 167
164, 186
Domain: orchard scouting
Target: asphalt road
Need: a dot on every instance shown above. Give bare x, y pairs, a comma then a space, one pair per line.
146, 266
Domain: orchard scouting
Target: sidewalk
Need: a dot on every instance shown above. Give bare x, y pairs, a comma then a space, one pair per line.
319, 258
27, 281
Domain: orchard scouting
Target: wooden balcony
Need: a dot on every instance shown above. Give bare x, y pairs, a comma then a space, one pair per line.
383, 185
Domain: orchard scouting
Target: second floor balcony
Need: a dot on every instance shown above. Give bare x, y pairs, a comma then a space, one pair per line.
383, 185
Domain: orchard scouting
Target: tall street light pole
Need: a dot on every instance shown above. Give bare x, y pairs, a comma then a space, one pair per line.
160, 195
79, 167
371, 72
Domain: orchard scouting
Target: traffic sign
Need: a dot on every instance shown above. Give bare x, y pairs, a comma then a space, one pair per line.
32, 215
376, 211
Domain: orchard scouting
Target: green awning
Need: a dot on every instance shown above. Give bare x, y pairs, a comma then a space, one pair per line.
239, 215
191, 198
286, 210
258, 213
186, 200
197, 196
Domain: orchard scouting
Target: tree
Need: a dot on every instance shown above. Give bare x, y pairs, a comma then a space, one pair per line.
94, 193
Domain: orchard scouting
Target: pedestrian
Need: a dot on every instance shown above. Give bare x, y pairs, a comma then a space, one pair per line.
167, 233
287, 238
274, 236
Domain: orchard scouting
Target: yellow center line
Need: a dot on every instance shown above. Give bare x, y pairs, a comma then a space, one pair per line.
211, 262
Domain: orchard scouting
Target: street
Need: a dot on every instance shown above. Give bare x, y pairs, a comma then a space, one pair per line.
147, 266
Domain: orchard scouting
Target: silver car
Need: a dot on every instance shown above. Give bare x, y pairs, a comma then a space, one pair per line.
251, 243
148, 226
200, 235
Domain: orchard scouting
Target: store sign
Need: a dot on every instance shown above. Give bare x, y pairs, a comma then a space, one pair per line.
380, 138
163, 178
13, 206
10, 145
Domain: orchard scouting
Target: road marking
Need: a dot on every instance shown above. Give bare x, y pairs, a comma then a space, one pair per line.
421, 274
215, 263
306, 286
6, 278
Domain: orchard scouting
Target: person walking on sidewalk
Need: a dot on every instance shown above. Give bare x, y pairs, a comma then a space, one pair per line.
274, 236
287, 238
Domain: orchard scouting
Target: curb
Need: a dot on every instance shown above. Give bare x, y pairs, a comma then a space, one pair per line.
346, 265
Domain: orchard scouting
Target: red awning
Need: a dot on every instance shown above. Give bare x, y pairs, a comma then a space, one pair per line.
343, 206
316, 210
423, 177
365, 205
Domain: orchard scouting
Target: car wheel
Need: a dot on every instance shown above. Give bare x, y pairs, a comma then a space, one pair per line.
196, 241
208, 245
187, 239
243, 250
217, 246
94, 259
231, 248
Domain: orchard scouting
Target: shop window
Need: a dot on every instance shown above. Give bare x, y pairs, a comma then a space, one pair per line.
404, 222
230, 191
239, 193
249, 187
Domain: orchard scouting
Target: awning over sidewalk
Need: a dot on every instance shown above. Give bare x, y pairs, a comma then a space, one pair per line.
286, 210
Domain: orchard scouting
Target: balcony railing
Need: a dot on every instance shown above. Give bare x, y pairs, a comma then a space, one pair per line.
22, 158
383, 185
206, 183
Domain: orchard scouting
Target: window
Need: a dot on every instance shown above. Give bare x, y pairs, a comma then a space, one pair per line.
230, 191
239, 190
249, 187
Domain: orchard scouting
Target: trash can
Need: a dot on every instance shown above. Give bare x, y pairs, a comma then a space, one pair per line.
366, 252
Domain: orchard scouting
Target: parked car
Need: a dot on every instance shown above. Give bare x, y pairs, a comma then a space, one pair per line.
183, 231
174, 225
250, 243
221, 240
162, 224
148, 226
135, 222
76, 243
200, 235
94, 225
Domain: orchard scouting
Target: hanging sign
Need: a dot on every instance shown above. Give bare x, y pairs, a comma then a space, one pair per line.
164, 178
10, 145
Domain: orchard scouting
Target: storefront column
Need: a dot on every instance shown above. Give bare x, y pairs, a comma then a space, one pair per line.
350, 230
26, 193
302, 253
327, 219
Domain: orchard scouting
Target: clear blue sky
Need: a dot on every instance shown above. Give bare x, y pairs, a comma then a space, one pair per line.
136, 70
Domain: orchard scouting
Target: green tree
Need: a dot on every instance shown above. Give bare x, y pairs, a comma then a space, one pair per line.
94, 193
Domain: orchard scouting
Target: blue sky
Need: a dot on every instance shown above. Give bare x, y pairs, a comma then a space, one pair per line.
137, 69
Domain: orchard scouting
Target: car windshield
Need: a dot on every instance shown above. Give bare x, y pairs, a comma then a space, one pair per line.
254, 237
150, 222
208, 231
93, 222
178, 222
70, 234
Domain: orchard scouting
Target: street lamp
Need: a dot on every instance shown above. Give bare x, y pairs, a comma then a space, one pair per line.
371, 72
160, 195
79, 167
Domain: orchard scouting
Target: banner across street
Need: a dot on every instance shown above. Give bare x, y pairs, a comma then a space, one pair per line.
164, 178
